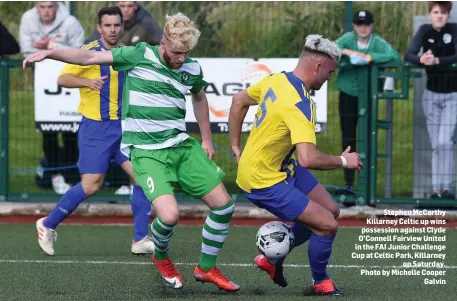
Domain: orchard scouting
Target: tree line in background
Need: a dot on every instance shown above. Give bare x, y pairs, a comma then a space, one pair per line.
254, 29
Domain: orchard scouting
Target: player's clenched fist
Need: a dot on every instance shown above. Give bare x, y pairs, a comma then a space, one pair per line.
353, 159
96, 84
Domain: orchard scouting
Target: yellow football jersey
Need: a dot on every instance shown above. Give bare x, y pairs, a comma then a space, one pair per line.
286, 116
100, 105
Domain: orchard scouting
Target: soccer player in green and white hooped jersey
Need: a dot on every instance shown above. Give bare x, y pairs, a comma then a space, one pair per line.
157, 79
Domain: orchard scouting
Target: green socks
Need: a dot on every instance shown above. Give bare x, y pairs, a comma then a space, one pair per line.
161, 235
215, 231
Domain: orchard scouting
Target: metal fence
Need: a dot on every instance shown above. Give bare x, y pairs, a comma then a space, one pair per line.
394, 145
227, 30
254, 29
411, 137
26, 176
392, 140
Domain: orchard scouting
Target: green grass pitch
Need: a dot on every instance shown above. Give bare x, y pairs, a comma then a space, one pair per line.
95, 263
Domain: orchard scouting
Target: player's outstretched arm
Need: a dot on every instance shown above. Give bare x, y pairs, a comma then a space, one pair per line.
311, 158
201, 111
238, 110
71, 56
72, 81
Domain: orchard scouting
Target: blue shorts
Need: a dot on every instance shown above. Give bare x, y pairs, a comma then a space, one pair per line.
287, 199
99, 142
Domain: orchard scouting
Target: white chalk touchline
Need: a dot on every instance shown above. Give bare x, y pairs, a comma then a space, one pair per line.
340, 266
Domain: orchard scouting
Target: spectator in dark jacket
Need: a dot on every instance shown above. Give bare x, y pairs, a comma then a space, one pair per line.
8, 43
139, 26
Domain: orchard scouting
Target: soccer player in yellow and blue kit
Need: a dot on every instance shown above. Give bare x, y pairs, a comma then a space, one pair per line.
99, 137
269, 173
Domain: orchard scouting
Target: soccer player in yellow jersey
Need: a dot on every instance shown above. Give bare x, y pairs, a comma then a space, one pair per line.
269, 173
99, 137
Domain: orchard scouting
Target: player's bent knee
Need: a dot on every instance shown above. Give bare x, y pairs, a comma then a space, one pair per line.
319, 219
332, 227
169, 215
170, 218
91, 188
92, 184
167, 209
327, 228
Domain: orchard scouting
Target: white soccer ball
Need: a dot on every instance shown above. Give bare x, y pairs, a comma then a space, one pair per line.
275, 240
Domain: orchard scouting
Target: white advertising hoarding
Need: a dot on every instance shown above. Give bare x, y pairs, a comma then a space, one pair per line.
227, 76
56, 107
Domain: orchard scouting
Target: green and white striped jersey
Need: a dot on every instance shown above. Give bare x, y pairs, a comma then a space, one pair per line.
153, 100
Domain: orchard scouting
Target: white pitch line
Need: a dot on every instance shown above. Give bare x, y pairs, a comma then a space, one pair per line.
338, 266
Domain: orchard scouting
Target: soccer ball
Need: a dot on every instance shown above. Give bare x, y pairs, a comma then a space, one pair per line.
275, 240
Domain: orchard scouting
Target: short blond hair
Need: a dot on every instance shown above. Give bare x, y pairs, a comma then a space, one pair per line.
317, 44
179, 28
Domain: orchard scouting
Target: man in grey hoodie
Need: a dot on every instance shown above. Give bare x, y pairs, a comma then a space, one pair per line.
49, 25
139, 26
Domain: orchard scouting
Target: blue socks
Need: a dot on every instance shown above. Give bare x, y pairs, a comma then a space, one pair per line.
67, 204
301, 233
319, 250
141, 209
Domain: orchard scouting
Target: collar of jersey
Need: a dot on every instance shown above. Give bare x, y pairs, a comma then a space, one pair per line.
102, 46
291, 76
155, 49
162, 62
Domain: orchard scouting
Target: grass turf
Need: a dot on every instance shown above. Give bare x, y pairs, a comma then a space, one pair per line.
94, 263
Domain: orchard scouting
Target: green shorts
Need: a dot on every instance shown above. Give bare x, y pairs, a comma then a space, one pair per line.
156, 171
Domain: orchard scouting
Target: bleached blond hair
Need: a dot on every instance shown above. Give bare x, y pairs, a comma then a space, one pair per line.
179, 28
317, 44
